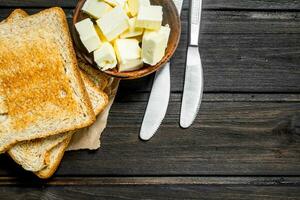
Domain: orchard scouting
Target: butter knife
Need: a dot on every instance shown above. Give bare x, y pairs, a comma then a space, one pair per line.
159, 98
158, 103
193, 86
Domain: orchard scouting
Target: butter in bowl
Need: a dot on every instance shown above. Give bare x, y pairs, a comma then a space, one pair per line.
126, 38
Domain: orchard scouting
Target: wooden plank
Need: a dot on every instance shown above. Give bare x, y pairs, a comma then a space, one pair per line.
252, 4
211, 4
239, 63
153, 192
228, 138
123, 96
124, 187
244, 62
135, 181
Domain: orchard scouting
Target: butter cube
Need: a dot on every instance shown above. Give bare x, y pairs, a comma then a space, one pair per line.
134, 6
132, 31
105, 57
154, 45
116, 2
150, 17
113, 23
88, 34
96, 8
129, 54
91, 43
84, 25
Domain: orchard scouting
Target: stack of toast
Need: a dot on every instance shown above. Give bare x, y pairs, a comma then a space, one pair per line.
44, 96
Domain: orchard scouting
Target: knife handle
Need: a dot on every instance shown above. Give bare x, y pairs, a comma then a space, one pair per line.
195, 18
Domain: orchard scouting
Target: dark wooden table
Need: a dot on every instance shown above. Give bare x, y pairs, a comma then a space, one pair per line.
245, 143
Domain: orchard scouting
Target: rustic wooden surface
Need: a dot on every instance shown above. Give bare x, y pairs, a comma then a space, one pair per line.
245, 143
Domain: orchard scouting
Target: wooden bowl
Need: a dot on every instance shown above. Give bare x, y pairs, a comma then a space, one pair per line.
170, 17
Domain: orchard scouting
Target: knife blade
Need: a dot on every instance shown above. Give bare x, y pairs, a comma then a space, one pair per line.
158, 103
193, 86
159, 97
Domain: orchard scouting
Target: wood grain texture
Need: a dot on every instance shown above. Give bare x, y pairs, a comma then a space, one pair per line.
245, 143
159, 180
152, 188
230, 137
135, 96
153, 192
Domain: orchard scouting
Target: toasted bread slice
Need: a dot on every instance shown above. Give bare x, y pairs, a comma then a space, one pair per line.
34, 155
99, 101
40, 83
31, 155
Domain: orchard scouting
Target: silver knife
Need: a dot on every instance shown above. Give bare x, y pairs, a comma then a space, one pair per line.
159, 98
158, 103
193, 86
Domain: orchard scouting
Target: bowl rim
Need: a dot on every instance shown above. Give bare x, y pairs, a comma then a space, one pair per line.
145, 71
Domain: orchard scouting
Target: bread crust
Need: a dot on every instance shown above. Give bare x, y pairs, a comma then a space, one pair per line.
75, 65
16, 13
49, 171
97, 90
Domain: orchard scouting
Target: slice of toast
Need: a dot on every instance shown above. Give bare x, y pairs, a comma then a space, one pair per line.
88, 73
32, 154
99, 101
40, 83
35, 155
